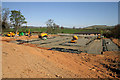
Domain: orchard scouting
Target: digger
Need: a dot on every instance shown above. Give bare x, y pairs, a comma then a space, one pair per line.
99, 36
74, 40
11, 34
43, 36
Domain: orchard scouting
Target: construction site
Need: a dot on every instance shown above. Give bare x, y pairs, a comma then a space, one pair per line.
60, 39
84, 44
60, 56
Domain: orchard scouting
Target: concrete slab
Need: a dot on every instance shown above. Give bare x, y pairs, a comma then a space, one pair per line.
95, 47
80, 42
110, 45
84, 44
54, 42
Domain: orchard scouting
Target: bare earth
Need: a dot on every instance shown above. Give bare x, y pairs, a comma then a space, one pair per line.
20, 61
116, 41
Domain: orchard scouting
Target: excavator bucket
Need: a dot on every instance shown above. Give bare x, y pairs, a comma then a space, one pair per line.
74, 40
75, 37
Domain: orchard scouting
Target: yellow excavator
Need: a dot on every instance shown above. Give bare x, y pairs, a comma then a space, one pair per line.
99, 36
43, 36
74, 40
11, 34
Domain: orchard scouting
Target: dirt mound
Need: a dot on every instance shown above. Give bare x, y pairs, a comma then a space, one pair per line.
20, 61
116, 41
22, 37
19, 38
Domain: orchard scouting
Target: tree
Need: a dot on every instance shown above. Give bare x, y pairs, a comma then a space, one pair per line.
17, 19
62, 27
52, 27
116, 31
5, 16
49, 24
55, 28
26, 24
73, 27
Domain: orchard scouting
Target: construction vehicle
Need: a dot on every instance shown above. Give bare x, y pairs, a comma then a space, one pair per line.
99, 36
11, 34
29, 33
21, 34
43, 36
74, 40
17, 33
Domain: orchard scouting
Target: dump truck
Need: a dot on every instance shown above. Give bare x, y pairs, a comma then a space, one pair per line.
74, 40
43, 36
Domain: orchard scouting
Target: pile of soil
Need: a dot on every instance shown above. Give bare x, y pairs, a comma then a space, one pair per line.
116, 41
23, 37
19, 38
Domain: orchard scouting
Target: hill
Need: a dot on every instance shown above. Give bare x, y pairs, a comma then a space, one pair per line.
99, 27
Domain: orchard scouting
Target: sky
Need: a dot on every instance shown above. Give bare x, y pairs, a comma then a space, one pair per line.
119, 13
60, 0
67, 14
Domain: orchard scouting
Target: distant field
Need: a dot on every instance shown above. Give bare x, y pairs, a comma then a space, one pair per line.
76, 30
44, 29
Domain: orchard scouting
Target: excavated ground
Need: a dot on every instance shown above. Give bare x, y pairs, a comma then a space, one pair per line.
31, 60
84, 44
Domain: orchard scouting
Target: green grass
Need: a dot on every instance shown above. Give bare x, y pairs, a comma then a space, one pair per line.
38, 29
44, 29
71, 31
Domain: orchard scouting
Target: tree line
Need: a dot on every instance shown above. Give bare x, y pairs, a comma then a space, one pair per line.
115, 32
16, 19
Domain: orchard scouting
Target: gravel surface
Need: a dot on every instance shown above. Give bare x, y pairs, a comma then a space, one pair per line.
62, 43
80, 42
95, 47
110, 45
